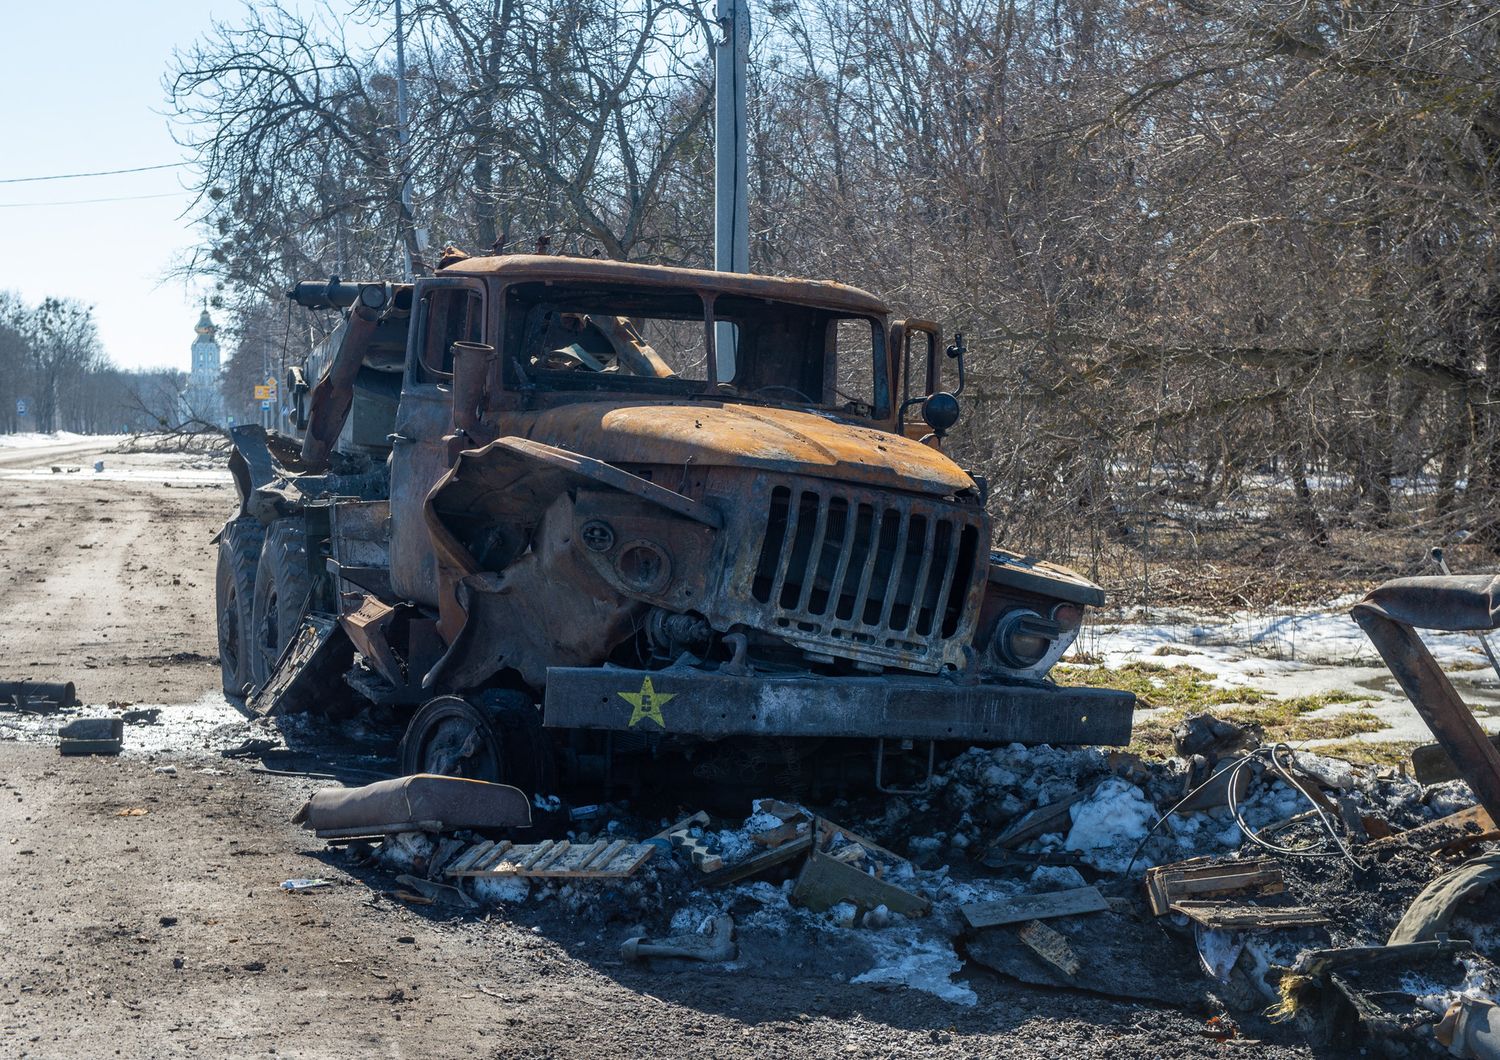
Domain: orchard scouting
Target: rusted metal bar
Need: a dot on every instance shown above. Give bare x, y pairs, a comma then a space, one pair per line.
1436, 701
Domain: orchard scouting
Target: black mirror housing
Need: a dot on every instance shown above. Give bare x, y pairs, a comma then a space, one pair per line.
941, 412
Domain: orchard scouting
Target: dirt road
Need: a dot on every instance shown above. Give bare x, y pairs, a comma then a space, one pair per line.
165, 933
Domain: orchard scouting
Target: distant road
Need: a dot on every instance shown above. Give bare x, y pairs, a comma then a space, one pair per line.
42, 455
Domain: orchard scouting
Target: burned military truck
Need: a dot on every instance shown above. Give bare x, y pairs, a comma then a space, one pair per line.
561, 512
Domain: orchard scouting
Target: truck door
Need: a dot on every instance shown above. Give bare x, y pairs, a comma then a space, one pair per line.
920, 369
445, 310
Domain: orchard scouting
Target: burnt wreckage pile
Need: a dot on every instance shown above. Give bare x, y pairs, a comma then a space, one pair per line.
1279, 893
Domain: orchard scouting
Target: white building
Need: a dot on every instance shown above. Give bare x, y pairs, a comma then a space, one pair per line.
202, 399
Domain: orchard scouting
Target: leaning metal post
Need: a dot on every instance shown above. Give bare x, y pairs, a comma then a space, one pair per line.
1437, 702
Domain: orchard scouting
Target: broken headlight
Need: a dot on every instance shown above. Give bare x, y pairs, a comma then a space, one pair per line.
1023, 638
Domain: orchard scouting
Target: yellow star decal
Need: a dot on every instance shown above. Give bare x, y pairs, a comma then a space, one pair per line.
646, 703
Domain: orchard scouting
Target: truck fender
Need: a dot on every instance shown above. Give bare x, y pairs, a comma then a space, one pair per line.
262, 464
492, 501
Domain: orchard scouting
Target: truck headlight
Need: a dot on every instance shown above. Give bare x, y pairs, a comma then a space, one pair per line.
644, 566
1023, 638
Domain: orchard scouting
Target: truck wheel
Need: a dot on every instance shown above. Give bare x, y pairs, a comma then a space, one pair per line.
499, 739
234, 588
282, 585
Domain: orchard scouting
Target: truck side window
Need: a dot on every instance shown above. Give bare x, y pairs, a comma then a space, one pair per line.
448, 315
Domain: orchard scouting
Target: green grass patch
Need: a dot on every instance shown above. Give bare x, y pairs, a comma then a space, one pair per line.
1178, 691
1376, 752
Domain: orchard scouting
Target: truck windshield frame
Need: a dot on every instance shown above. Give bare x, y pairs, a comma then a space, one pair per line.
661, 341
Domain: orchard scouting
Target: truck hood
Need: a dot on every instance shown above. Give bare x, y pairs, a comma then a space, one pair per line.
771, 439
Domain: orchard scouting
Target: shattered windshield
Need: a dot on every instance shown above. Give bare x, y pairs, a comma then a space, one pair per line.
692, 343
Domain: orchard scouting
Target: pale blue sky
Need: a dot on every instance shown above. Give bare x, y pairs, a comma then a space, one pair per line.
81, 85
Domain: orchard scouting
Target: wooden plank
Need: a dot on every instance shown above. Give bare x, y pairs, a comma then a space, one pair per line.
823, 883
1196, 878
1051, 946
1434, 835
536, 854
1034, 907
496, 853
1054, 817
1230, 916
552, 857
557, 859
610, 853
588, 854
758, 863
470, 856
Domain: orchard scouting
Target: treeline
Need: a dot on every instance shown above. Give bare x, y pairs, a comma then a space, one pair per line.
52, 365
1220, 265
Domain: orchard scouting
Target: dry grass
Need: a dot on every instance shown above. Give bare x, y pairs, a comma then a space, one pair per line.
1178, 691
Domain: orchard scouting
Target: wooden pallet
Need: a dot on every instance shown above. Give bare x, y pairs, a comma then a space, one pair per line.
554, 858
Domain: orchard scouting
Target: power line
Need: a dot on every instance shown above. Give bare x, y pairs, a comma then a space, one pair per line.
85, 202
96, 173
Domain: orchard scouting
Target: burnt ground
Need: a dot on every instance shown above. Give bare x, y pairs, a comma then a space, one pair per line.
166, 933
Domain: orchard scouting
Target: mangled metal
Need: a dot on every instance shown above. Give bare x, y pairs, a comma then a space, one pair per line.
1390, 616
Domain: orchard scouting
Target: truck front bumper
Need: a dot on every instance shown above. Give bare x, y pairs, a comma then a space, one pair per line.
709, 704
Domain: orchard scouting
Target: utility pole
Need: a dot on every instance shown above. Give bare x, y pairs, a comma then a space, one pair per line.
731, 160
403, 131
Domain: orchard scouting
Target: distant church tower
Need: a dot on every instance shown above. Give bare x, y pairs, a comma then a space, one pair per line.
202, 398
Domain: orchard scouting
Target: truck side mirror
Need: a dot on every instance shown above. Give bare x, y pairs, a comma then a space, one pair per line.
956, 352
471, 369
941, 411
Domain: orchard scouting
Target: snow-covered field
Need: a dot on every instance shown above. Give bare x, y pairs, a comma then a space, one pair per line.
35, 440
1296, 653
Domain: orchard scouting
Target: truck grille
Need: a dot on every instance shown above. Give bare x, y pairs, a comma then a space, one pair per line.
880, 579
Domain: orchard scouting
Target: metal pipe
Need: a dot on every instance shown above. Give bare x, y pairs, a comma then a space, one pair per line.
22, 692
1484, 642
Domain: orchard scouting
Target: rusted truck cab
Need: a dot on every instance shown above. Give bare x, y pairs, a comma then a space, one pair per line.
663, 504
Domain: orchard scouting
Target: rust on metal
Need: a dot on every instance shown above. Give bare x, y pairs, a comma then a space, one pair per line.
1389, 615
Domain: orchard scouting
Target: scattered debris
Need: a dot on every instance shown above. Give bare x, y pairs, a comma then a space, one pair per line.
1034, 907
38, 697
1430, 913
420, 803
92, 736
826, 881
1471, 1029
304, 884
716, 945
602, 859
1051, 946
1169, 885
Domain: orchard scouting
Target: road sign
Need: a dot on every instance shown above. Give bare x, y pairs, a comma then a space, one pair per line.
265, 393
21, 406
265, 406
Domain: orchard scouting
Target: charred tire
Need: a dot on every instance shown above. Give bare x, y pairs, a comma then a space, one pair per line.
498, 739
234, 594
282, 585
